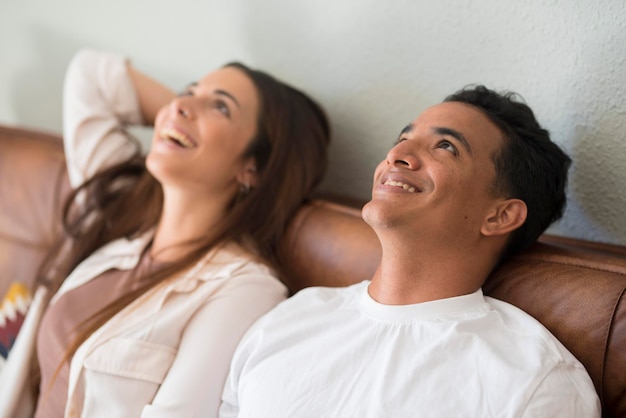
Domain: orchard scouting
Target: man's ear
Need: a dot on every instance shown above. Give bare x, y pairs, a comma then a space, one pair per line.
506, 216
248, 174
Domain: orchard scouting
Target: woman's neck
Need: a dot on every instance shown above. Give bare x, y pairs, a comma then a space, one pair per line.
185, 218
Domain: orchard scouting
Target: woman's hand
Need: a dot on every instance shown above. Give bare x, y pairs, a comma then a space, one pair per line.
152, 94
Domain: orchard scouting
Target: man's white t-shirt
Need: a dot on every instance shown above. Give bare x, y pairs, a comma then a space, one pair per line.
338, 353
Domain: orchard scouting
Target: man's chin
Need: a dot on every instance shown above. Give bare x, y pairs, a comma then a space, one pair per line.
377, 212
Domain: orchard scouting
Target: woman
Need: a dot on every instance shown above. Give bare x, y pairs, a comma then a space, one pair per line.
172, 255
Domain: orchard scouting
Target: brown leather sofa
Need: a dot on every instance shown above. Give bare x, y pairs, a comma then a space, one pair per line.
575, 288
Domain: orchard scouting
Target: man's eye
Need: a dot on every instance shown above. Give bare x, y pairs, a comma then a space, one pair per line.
185, 92
448, 146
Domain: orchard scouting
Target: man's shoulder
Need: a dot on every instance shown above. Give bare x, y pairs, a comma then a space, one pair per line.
524, 327
320, 300
323, 294
515, 318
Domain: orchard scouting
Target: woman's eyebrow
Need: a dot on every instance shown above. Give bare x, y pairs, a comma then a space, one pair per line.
227, 94
217, 91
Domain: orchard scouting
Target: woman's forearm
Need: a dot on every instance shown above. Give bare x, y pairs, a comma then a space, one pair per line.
152, 94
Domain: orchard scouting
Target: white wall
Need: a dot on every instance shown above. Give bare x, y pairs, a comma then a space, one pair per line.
374, 65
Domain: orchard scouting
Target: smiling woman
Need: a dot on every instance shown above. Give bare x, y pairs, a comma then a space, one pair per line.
164, 267
201, 137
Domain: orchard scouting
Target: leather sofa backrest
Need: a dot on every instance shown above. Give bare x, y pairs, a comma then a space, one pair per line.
575, 288
33, 181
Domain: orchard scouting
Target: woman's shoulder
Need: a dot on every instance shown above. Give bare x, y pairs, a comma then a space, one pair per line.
238, 277
234, 263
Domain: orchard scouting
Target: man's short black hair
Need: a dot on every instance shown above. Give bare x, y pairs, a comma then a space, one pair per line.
529, 167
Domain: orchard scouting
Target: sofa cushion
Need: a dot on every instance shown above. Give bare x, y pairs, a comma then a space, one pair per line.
33, 181
574, 287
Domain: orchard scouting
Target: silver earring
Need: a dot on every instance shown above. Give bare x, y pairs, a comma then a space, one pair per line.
244, 188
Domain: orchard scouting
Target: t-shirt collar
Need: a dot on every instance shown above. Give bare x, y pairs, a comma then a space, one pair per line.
454, 306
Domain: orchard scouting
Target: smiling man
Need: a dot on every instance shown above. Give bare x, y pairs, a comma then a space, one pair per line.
468, 183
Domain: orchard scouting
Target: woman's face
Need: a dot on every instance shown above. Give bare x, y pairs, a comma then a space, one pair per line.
200, 137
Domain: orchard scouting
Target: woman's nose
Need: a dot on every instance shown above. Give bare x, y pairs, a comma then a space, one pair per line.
183, 107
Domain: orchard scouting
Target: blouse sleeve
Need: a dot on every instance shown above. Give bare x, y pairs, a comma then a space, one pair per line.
195, 381
99, 102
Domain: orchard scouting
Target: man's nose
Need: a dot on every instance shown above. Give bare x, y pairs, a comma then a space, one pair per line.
404, 155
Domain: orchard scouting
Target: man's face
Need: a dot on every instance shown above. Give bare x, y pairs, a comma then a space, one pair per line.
436, 180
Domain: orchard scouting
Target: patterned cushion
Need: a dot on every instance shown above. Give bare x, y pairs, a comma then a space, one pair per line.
13, 309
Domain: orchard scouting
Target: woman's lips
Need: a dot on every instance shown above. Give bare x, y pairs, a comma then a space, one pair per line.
177, 137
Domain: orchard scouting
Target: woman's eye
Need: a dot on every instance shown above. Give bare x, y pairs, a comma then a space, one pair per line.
222, 107
448, 146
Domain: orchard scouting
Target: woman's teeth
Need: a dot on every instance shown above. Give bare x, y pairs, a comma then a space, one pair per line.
177, 137
400, 184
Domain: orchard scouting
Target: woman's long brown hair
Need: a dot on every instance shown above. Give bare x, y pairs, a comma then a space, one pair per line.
125, 200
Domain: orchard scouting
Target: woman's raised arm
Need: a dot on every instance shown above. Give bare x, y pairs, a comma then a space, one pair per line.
102, 96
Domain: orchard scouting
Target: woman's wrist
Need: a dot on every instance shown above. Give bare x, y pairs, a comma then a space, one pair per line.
152, 95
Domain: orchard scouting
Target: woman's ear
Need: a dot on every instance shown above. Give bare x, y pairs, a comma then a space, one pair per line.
248, 174
505, 217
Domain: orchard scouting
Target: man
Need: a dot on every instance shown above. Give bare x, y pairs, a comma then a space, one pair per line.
468, 183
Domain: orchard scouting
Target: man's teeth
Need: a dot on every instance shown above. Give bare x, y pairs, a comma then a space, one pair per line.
400, 184
175, 136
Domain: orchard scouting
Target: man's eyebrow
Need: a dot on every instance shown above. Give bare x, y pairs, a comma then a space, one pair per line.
455, 134
408, 128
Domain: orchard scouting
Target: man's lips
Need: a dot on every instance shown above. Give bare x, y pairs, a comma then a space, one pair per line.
395, 180
401, 184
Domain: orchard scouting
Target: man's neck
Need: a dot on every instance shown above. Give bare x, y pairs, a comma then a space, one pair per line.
409, 275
